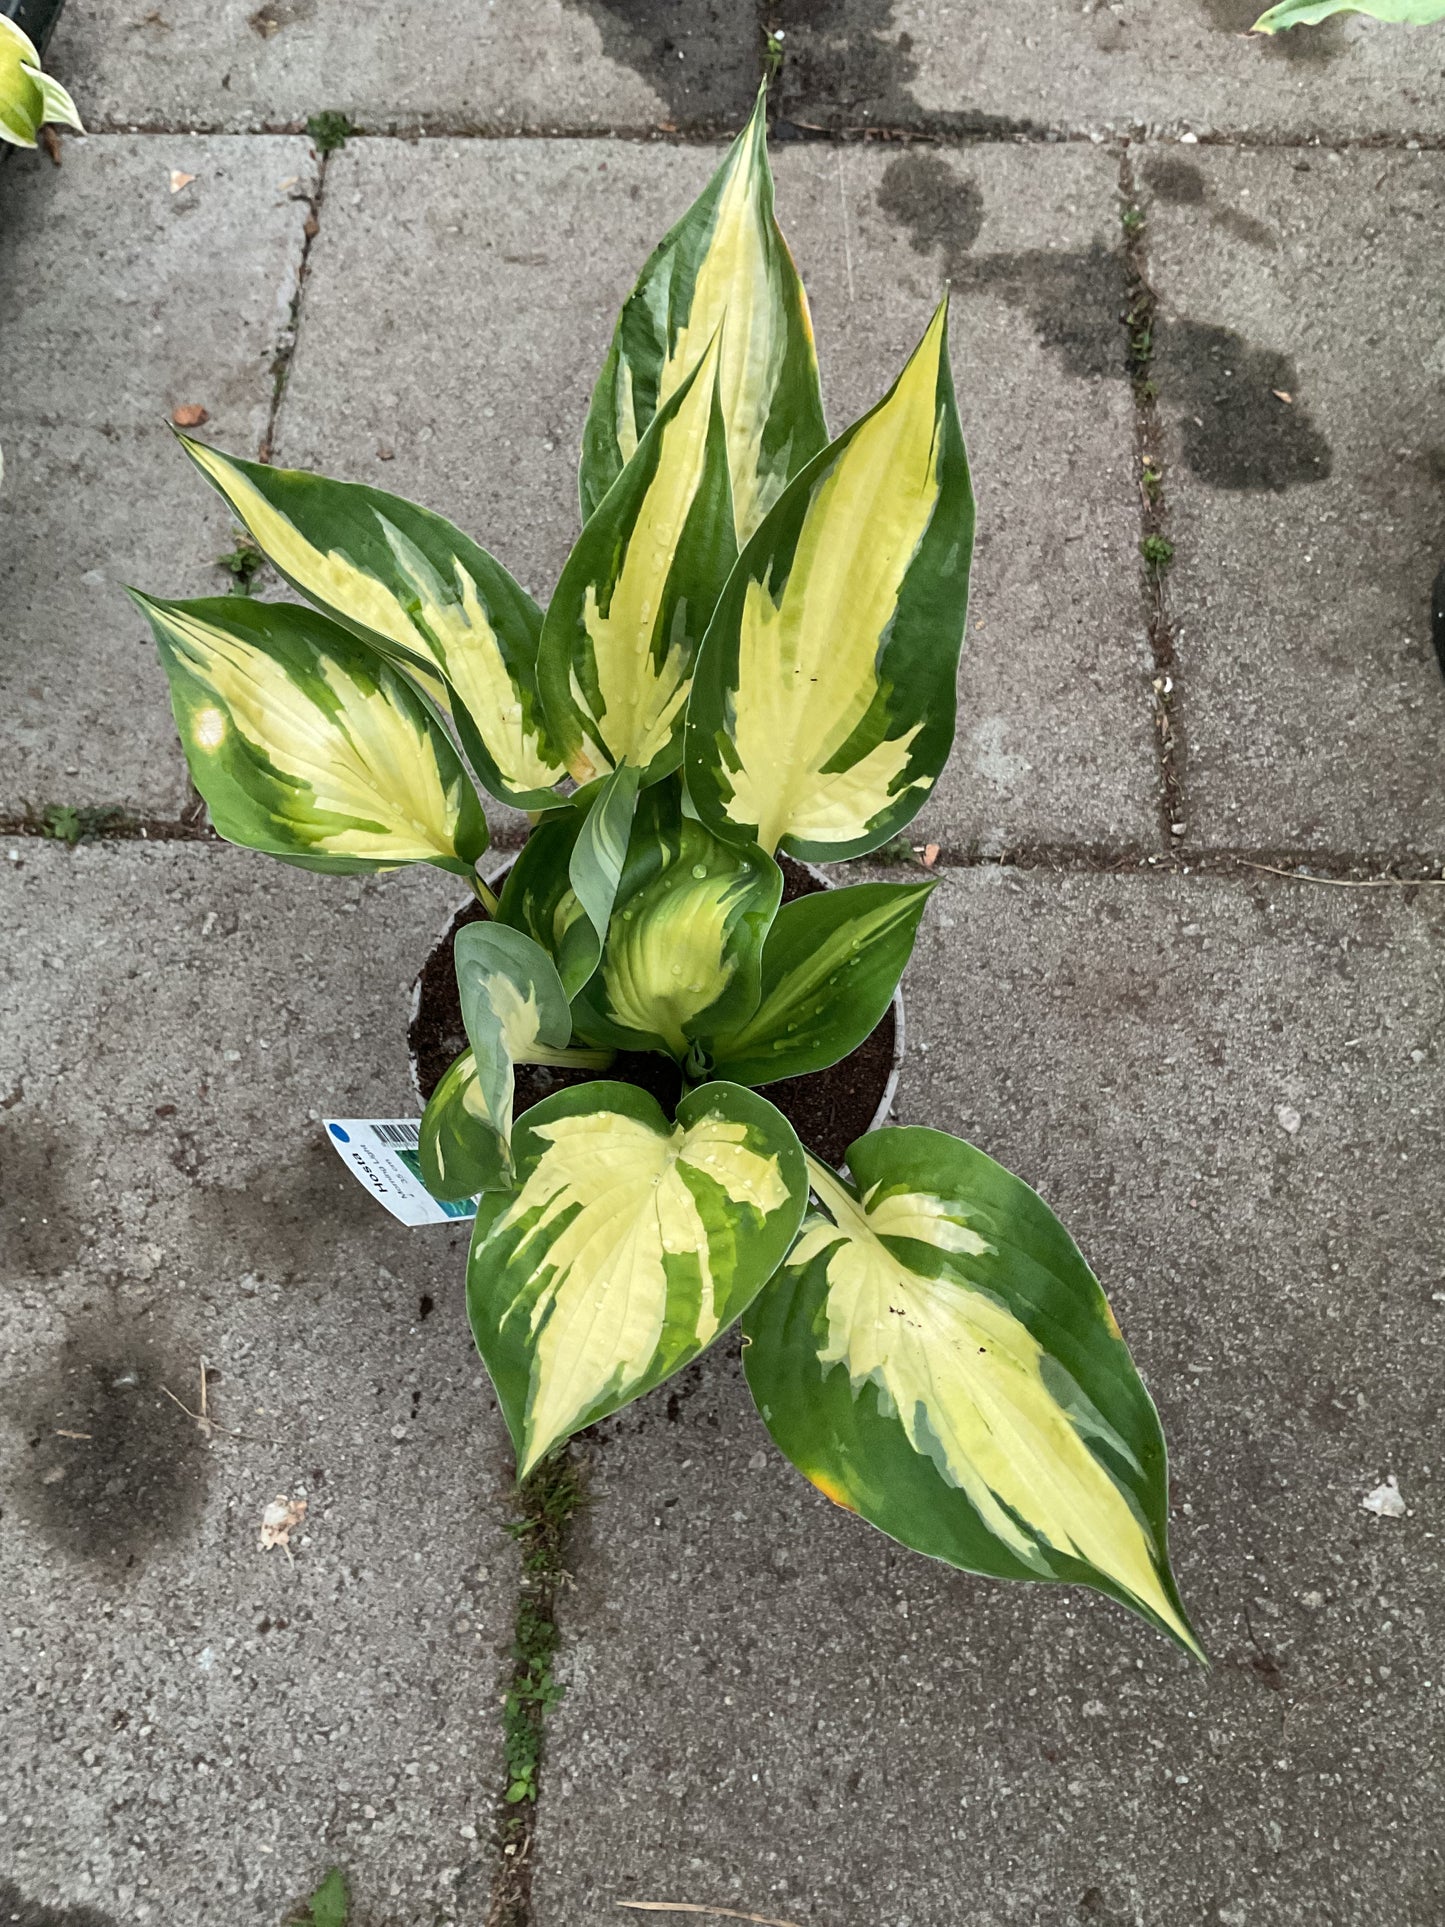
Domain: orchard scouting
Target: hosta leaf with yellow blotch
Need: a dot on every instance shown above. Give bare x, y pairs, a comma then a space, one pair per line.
724, 267
823, 701
308, 744
402, 577
622, 631
936, 1355
830, 966
1306, 13
561, 889
684, 946
29, 97
627, 1246
516, 1012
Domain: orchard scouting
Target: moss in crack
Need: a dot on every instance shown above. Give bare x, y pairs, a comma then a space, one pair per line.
329, 131
546, 1504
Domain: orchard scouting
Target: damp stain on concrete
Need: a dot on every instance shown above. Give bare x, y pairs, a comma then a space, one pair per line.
17, 1911
108, 1468
1223, 393
849, 63
1180, 183
700, 56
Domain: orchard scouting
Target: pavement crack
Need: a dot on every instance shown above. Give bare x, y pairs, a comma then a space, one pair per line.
1156, 551
546, 1505
286, 348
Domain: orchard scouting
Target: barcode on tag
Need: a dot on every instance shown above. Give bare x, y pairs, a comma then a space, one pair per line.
381, 1154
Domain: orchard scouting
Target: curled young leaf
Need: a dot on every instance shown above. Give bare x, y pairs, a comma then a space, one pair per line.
684, 945
830, 966
515, 1012
308, 744
823, 701
622, 631
724, 269
936, 1356
401, 577
628, 1245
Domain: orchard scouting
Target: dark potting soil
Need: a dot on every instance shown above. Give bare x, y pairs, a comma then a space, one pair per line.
828, 1109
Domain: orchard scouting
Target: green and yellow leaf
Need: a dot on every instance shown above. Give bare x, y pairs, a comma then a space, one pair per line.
830, 967
823, 703
516, 1012
397, 575
29, 97
723, 269
1307, 13
684, 946
308, 744
623, 629
936, 1356
627, 1247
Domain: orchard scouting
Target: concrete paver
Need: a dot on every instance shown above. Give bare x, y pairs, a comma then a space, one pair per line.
1103, 66
519, 253
121, 299
772, 1708
499, 66
190, 1728
1307, 529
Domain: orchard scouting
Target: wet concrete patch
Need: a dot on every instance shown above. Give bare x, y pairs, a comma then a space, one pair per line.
112, 1468
17, 1911
700, 55
1236, 432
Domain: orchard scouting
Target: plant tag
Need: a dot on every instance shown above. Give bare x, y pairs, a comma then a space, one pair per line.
381, 1154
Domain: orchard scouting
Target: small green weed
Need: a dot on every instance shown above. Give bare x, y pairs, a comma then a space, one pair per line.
327, 1907
899, 853
244, 563
1131, 219
329, 131
71, 823
1152, 482
1158, 553
772, 53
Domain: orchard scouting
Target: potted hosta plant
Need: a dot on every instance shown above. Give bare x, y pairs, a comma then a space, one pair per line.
748, 664
29, 97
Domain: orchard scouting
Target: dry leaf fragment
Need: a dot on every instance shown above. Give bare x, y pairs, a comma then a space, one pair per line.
1281, 394
180, 180
190, 414
279, 1521
930, 855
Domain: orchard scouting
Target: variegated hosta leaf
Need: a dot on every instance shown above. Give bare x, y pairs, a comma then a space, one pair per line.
831, 963
622, 631
561, 888
684, 947
308, 744
397, 574
28, 96
725, 266
936, 1355
516, 1012
627, 1247
1305, 13
823, 701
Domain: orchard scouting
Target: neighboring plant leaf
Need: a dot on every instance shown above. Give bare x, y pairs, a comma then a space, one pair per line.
396, 574
308, 744
724, 266
685, 944
627, 1247
940, 1359
328, 1906
622, 631
823, 705
515, 1012
28, 96
1306, 13
831, 964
